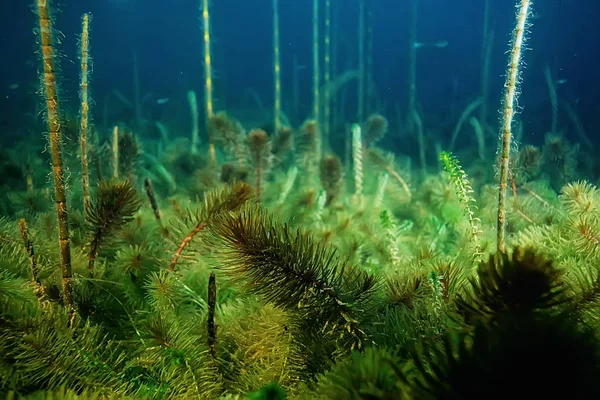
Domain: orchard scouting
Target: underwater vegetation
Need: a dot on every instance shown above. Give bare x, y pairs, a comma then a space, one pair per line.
256, 262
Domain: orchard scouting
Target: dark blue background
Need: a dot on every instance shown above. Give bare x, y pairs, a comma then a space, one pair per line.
167, 37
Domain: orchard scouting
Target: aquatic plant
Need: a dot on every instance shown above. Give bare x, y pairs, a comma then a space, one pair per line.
254, 272
54, 126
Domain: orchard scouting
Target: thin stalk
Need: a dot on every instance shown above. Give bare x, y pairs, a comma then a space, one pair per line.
276, 67
53, 120
508, 114
85, 109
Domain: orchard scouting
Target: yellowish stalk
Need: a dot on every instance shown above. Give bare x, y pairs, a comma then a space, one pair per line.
508, 114
85, 108
208, 83
54, 127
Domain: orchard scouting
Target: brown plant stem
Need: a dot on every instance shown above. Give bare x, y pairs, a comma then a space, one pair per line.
210, 323
37, 286
184, 243
154, 204
53, 120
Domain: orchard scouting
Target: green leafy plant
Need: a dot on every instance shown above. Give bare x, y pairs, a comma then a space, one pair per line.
461, 183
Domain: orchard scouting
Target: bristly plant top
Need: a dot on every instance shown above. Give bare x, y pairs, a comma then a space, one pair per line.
226, 198
114, 205
286, 267
459, 179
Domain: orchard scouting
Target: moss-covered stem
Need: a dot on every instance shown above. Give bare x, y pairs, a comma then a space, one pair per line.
37, 286
510, 95
53, 120
210, 323
154, 204
85, 108
115, 152
208, 83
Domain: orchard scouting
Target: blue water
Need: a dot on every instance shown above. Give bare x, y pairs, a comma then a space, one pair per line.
166, 36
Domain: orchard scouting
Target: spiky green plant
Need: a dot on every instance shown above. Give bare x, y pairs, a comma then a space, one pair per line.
192, 221
287, 268
461, 183
114, 206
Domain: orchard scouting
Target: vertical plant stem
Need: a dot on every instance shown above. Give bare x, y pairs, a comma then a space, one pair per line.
208, 83
193, 102
115, 151
512, 77
358, 161
210, 323
37, 286
369, 92
85, 108
316, 75
276, 68
53, 120
361, 62
412, 64
154, 204
327, 76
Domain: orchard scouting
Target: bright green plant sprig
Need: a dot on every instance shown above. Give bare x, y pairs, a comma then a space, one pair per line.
458, 178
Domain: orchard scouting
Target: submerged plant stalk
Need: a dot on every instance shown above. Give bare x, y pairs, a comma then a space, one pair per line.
358, 160
210, 323
115, 152
508, 114
85, 109
316, 73
194, 112
361, 61
154, 203
276, 67
327, 75
37, 286
208, 98
53, 120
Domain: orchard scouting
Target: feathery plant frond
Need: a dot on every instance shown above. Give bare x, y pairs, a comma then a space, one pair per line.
459, 179
580, 198
498, 363
582, 202
165, 292
225, 198
289, 269
364, 375
49, 354
522, 283
114, 206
